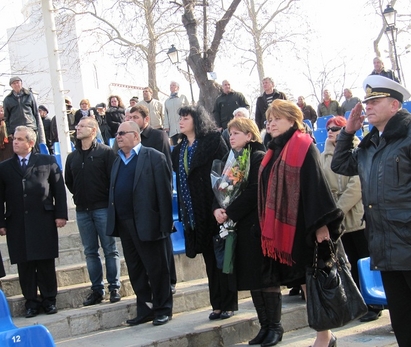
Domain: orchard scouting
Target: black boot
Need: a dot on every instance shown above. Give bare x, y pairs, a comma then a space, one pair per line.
259, 305
273, 309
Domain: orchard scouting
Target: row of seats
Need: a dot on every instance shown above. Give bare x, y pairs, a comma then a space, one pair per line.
320, 134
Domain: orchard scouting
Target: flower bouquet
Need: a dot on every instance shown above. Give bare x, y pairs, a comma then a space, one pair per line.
227, 183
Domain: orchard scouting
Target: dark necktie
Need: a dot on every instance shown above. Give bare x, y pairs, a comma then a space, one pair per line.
23, 165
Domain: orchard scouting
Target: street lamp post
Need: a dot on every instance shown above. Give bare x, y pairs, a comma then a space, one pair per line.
173, 56
390, 16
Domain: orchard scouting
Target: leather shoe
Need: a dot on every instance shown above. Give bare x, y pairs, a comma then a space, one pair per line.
160, 320
214, 315
226, 314
140, 320
50, 309
115, 296
93, 299
31, 312
370, 316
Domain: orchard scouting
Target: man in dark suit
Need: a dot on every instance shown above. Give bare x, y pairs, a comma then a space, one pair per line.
140, 212
32, 206
158, 140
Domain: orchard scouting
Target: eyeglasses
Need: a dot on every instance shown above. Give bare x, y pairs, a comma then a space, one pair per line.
334, 129
79, 126
122, 133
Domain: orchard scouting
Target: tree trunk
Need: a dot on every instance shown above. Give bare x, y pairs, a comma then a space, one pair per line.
201, 64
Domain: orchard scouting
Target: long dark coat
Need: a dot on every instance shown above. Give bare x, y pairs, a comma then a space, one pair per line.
29, 206
210, 147
316, 208
243, 210
2, 272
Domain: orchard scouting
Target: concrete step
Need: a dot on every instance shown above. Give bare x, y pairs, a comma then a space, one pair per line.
187, 269
355, 334
71, 250
66, 276
71, 323
192, 329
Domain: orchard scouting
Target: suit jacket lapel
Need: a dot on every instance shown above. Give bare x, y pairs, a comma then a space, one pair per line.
142, 157
115, 168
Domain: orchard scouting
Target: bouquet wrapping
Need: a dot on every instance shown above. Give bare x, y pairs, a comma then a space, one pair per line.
227, 182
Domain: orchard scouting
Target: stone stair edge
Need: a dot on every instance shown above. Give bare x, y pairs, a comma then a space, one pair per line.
85, 320
191, 329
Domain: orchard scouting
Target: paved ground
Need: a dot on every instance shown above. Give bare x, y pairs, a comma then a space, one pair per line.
356, 334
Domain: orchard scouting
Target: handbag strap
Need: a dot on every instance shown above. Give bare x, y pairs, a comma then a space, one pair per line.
333, 255
315, 260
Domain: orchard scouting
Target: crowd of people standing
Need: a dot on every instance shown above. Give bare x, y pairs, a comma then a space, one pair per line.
293, 198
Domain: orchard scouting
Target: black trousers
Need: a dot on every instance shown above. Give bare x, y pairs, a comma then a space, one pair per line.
356, 247
397, 285
221, 297
41, 274
173, 273
148, 269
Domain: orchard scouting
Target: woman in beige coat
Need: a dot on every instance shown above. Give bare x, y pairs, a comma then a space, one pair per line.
346, 191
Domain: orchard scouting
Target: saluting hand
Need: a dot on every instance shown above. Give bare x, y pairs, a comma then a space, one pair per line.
355, 120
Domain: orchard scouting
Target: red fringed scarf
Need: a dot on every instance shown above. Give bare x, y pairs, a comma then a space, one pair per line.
278, 210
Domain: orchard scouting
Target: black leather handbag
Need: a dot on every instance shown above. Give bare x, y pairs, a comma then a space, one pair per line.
333, 299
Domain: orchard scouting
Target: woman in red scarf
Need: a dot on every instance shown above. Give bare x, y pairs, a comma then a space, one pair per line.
295, 206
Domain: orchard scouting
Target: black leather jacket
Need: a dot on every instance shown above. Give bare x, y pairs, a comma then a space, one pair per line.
385, 174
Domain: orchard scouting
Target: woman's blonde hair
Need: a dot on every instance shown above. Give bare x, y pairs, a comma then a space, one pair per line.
246, 126
286, 109
85, 101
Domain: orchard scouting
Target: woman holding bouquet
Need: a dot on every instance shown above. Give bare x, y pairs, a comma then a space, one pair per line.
192, 158
244, 134
295, 205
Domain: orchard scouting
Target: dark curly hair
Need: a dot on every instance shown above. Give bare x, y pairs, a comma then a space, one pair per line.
120, 102
203, 123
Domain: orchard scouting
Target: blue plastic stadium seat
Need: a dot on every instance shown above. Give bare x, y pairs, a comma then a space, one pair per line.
320, 135
178, 238
322, 121
407, 105
347, 114
371, 286
43, 148
30, 336
308, 122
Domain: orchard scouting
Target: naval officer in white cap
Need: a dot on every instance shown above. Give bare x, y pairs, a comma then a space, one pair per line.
383, 162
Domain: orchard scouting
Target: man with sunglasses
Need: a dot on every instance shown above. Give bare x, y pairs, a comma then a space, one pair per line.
140, 213
383, 161
87, 174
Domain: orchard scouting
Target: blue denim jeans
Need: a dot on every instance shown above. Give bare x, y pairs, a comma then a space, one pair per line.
92, 227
